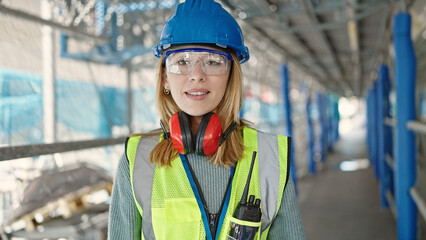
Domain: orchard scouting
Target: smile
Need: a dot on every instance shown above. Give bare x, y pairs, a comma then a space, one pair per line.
197, 93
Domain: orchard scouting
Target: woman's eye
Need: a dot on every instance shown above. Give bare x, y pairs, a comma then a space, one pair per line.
213, 63
182, 62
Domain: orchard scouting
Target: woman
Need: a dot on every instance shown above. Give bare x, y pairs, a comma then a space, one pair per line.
189, 180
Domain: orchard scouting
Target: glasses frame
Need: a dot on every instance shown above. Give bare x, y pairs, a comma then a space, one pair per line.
168, 53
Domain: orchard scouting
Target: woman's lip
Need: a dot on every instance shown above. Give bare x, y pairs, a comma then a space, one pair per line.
201, 90
194, 96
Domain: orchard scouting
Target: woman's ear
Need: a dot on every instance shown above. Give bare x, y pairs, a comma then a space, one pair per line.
165, 80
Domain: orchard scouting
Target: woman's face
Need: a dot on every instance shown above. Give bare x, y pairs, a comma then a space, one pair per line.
195, 91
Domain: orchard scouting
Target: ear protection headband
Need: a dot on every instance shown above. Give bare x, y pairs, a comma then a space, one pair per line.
207, 140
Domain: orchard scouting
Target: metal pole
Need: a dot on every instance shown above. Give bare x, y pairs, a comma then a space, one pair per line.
324, 125
48, 55
114, 32
311, 138
335, 119
16, 152
390, 122
389, 168
100, 16
374, 131
42, 20
405, 63
129, 96
322, 138
2, 207
371, 130
336, 110
420, 202
381, 136
368, 102
417, 126
403, 5
318, 107
323, 132
329, 116
287, 110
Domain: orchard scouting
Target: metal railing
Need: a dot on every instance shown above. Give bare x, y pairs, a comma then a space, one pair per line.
391, 201
391, 122
390, 161
16, 152
420, 202
419, 128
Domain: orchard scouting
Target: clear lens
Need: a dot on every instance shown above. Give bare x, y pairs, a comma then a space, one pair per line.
183, 61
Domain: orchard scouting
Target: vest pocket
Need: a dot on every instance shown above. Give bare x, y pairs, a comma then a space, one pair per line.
182, 210
181, 219
239, 229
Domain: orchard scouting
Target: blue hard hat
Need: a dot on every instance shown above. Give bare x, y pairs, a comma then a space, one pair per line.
202, 21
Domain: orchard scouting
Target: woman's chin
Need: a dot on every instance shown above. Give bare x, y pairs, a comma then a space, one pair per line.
196, 112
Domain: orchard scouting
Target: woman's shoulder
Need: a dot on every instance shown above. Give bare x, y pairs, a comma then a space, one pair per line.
149, 133
147, 139
153, 135
253, 130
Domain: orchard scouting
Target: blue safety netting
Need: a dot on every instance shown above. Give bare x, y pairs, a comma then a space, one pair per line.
90, 108
80, 107
270, 114
20, 106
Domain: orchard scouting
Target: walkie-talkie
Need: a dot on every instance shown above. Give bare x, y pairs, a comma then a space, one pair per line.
247, 211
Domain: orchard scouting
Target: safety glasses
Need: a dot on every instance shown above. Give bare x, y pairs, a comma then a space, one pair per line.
183, 61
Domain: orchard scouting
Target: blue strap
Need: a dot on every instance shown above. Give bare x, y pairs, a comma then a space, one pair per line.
200, 203
197, 196
225, 204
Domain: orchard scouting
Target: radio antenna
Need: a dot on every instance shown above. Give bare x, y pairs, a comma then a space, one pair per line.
246, 188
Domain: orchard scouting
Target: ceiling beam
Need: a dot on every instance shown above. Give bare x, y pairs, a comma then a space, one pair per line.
322, 26
313, 20
298, 44
53, 24
289, 57
265, 6
353, 37
321, 8
383, 38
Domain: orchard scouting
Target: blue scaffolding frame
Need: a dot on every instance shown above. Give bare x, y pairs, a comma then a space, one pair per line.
396, 178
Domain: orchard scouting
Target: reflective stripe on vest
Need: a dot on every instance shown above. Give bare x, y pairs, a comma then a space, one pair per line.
167, 203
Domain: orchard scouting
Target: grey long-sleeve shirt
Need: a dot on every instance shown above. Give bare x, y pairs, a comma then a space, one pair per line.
125, 220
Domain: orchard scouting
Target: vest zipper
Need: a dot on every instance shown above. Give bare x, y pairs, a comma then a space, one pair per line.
213, 224
209, 215
213, 219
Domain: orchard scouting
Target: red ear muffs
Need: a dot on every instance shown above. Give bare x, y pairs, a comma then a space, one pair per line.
208, 134
206, 140
180, 133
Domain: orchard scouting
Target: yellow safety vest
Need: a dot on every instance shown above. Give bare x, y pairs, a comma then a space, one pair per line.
170, 207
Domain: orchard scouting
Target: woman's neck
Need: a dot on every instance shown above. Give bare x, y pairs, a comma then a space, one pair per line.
195, 123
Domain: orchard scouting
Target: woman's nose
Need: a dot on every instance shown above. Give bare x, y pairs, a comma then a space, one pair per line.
197, 71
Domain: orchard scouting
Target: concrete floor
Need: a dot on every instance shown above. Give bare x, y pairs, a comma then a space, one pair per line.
344, 205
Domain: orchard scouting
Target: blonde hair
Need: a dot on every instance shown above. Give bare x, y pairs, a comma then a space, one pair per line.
228, 110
